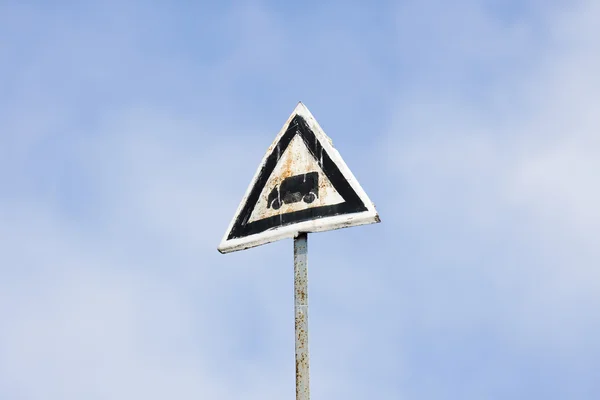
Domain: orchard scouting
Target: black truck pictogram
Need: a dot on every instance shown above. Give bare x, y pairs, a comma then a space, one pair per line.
294, 189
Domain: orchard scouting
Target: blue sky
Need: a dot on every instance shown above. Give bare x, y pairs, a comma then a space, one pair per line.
129, 132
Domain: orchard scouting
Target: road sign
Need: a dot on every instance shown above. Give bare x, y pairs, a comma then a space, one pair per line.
302, 185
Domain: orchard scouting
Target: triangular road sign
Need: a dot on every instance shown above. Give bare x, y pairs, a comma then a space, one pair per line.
302, 185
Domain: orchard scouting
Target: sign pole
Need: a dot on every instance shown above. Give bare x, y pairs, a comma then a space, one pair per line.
301, 315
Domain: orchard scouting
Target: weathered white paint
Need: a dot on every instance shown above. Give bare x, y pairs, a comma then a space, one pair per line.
295, 160
299, 162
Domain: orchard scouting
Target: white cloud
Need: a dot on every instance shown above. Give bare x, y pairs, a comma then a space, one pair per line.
516, 171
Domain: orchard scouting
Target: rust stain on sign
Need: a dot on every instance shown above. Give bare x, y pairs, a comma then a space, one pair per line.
286, 171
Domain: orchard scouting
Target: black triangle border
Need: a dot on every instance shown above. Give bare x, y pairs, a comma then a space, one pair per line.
352, 204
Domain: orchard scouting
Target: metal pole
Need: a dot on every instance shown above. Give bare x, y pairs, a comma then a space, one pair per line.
301, 313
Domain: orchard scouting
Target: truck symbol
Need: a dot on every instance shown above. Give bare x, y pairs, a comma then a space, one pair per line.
294, 189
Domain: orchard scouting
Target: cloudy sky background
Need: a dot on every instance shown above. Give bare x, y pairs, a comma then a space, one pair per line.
129, 133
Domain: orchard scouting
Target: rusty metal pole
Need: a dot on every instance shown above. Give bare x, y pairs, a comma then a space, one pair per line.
301, 313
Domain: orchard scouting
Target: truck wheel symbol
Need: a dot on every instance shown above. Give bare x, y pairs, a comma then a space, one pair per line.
309, 197
276, 204
304, 187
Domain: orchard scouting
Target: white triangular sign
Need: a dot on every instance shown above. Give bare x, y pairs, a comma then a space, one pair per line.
302, 185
